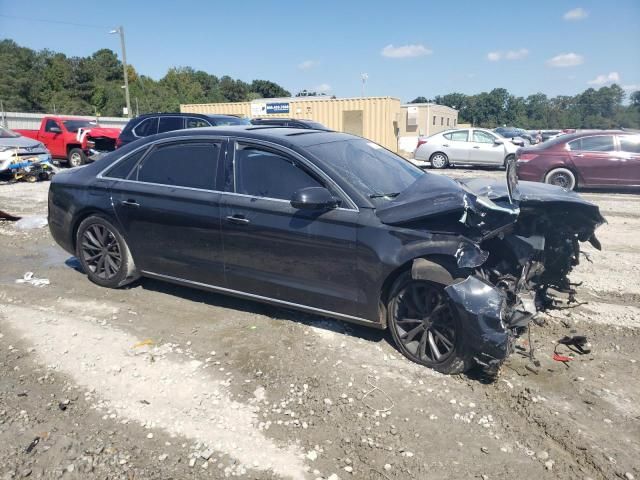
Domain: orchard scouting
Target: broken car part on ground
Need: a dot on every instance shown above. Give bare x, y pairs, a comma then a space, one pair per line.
332, 224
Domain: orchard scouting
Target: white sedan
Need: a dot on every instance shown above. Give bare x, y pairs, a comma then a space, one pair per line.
475, 146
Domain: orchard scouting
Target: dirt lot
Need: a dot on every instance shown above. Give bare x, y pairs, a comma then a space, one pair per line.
158, 381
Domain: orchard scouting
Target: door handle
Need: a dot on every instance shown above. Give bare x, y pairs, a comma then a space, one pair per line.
130, 203
476, 146
579, 155
238, 219
445, 145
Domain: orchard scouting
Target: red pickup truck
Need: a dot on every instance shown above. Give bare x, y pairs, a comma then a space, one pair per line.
76, 140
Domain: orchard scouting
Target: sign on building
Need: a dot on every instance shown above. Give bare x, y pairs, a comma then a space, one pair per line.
280, 107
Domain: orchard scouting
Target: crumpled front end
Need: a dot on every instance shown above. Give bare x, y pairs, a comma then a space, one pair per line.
517, 243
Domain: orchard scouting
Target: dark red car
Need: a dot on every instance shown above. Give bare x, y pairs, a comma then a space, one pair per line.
602, 158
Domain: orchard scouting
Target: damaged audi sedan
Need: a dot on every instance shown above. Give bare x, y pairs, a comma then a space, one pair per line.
332, 224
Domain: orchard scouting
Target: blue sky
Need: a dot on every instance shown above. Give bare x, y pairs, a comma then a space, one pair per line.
408, 48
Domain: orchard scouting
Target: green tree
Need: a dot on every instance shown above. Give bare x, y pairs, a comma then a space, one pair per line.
267, 89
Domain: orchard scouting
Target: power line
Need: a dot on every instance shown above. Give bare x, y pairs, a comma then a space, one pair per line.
29, 19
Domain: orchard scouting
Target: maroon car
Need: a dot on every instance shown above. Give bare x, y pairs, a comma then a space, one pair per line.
602, 158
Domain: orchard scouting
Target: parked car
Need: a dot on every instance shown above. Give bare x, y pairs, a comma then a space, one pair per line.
74, 140
327, 223
288, 122
521, 136
18, 153
585, 159
476, 146
153, 123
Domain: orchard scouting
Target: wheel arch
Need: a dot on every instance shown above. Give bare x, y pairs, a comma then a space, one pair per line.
437, 267
71, 146
565, 166
86, 213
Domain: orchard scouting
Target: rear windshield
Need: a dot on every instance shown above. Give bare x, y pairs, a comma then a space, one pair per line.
75, 125
226, 121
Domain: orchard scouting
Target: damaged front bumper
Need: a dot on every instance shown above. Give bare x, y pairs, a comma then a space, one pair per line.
488, 322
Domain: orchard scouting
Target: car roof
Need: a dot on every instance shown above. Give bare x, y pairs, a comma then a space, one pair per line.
286, 136
184, 114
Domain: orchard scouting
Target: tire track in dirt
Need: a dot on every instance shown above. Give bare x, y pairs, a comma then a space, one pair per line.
186, 401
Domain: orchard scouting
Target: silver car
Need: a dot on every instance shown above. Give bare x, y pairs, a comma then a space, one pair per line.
476, 146
15, 149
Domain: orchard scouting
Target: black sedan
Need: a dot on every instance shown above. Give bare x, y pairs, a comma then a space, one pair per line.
332, 224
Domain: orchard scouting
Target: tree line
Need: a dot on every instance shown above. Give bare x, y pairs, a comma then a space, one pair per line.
601, 108
47, 81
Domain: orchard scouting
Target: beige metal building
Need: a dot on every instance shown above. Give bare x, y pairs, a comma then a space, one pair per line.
423, 119
375, 118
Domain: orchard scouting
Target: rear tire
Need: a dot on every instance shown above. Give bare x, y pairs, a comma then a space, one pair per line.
423, 326
439, 160
561, 177
104, 254
76, 157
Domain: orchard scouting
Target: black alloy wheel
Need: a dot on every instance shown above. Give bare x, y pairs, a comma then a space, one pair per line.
101, 252
424, 327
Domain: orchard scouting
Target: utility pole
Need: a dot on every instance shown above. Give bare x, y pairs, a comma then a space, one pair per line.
120, 30
137, 108
364, 77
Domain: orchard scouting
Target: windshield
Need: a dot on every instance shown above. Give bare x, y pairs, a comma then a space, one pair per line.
6, 133
370, 168
225, 122
74, 125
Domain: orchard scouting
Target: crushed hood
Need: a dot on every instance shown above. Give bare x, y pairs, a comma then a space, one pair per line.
103, 132
482, 204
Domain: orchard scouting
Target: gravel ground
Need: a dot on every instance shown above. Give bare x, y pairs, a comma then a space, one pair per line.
160, 381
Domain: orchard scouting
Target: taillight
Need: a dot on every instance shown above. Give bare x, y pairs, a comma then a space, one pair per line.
525, 156
421, 141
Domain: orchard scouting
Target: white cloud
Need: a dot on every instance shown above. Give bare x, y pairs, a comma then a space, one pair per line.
508, 55
603, 79
322, 88
405, 51
516, 54
576, 14
308, 64
566, 60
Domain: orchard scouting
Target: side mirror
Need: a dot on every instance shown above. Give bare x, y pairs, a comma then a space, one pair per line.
55, 130
314, 198
498, 141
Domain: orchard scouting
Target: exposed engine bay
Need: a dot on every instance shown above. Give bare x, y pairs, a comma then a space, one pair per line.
517, 242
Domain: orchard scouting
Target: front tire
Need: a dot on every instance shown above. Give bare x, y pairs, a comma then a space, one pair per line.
439, 160
424, 326
561, 177
104, 254
76, 157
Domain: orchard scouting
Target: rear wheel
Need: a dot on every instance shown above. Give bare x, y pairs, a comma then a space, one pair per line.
439, 160
76, 157
424, 327
562, 177
104, 254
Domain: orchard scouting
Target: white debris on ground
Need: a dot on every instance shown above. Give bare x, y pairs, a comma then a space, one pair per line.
31, 223
30, 279
186, 401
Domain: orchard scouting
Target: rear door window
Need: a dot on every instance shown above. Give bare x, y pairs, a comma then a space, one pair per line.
169, 124
459, 136
189, 164
482, 137
600, 143
630, 143
264, 173
146, 127
51, 124
124, 167
193, 122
